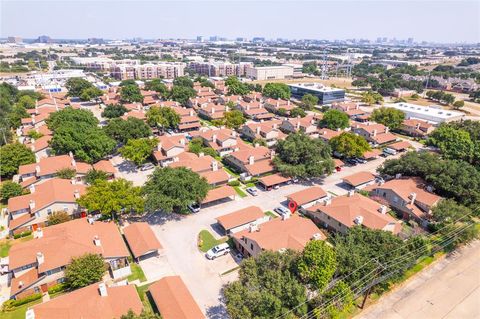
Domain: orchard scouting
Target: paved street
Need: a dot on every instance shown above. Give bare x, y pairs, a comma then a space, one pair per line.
449, 289
178, 236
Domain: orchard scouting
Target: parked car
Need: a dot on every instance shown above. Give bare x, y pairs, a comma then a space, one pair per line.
146, 167
218, 251
281, 210
351, 162
389, 151
252, 191
360, 160
194, 207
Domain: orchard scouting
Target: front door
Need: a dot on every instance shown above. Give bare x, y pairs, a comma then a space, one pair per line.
35, 226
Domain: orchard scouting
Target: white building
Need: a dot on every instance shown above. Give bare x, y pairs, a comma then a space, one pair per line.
270, 72
432, 114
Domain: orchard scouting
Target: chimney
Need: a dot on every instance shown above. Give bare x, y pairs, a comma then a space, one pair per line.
159, 146
327, 201
253, 227
182, 142
234, 134
76, 194
31, 205
358, 220
176, 159
351, 193
37, 169
70, 154
96, 240
383, 209
272, 154
32, 188
258, 130
90, 220
73, 181
214, 137
20, 284
298, 125
214, 165
201, 154
412, 197
251, 160
386, 129
374, 133
38, 233
398, 176
102, 289
40, 258
256, 145
286, 216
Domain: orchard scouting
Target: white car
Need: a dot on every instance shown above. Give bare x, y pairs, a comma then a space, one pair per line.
282, 211
147, 167
252, 191
194, 208
218, 251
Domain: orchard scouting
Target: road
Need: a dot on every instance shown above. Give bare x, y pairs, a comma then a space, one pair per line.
178, 236
448, 289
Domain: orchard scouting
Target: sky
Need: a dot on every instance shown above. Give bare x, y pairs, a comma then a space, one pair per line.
437, 21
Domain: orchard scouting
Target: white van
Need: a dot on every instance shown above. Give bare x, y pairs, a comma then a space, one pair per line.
389, 151
218, 251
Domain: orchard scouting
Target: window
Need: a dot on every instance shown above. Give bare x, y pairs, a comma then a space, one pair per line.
395, 199
65, 208
36, 289
61, 280
339, 224
49, 211
251, 246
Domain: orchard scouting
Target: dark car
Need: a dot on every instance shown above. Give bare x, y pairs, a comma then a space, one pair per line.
351, 162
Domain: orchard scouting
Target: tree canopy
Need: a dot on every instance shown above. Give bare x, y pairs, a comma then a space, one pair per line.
58, 217
114, 110
349, 144
93, 175
309, 101
78, 86
26, 102
164, 117
267, 288
9, 189
124, 130
131, 93
334, 119
12, 156
388, 116
299, 155
371, 97
117, 196
85, 270
317, 264
277, 91
173, 189
138, 150
298, 112
234, 119
182, 94
70, 116
183, 81
236, 87
158, 86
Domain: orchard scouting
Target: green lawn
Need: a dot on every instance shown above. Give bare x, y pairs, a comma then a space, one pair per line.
250, 184
5, 248
239, 191
206, 241
137, 273
18, 313
229, 171
148, 304
271, 214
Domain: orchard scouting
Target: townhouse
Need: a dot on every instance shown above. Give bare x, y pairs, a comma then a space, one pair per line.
274, 105
268, 131
189, 120
241, 219
344, 212
307, 125
97, 302
374, 133
254, 110
289, 232
254, 161
411, 196
168, 148
223, 141
352, 109
212, 111
38, 264
30, 211
416, 128
205, 165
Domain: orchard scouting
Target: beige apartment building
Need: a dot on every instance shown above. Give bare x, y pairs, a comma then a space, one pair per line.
269, 72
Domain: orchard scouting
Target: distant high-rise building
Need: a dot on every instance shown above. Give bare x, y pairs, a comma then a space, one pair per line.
258, 39
44, 39
384, 40
379, 40
410, 40
200, 38
214, 38
241, 39
15, 40
95, 40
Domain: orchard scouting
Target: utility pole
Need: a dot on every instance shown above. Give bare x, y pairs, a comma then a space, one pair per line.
369, 290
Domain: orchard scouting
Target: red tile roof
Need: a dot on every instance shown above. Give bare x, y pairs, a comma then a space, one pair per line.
240, 217
141, 239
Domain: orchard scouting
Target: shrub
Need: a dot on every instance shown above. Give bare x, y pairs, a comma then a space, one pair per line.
57, 288
11, 304
22, 234
234, 183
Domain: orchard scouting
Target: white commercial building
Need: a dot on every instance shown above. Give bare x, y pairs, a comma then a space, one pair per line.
432, 114
269, 72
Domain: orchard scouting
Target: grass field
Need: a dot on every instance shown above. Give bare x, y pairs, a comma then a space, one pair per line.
18, 313
206, 241
137, 273
239, 191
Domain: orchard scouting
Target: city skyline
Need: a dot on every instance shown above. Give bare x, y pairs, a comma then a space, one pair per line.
320, 20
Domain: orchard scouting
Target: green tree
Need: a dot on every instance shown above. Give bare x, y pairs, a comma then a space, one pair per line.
234, 119
196, 146
124, 130
117, 196
66, 173
173, 189
76, 86
183, 81
87, 143
71, 116
9, 189
34, 134
114, 110
299, 155
372, 97
27, 102
259, 141
131, 93
453, 143
182, 94
388, 116
309, 67
93, 175
128, 82
58, 218
158, 86
298, 112
317, 264
236, 87
90, 93
143, 315
16, 115
138, 150
334, 119
12, 156
309, 101
277, 91
267, 288
448, 211
360, 83
349, 144
164, 117
85, 270
458, 104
